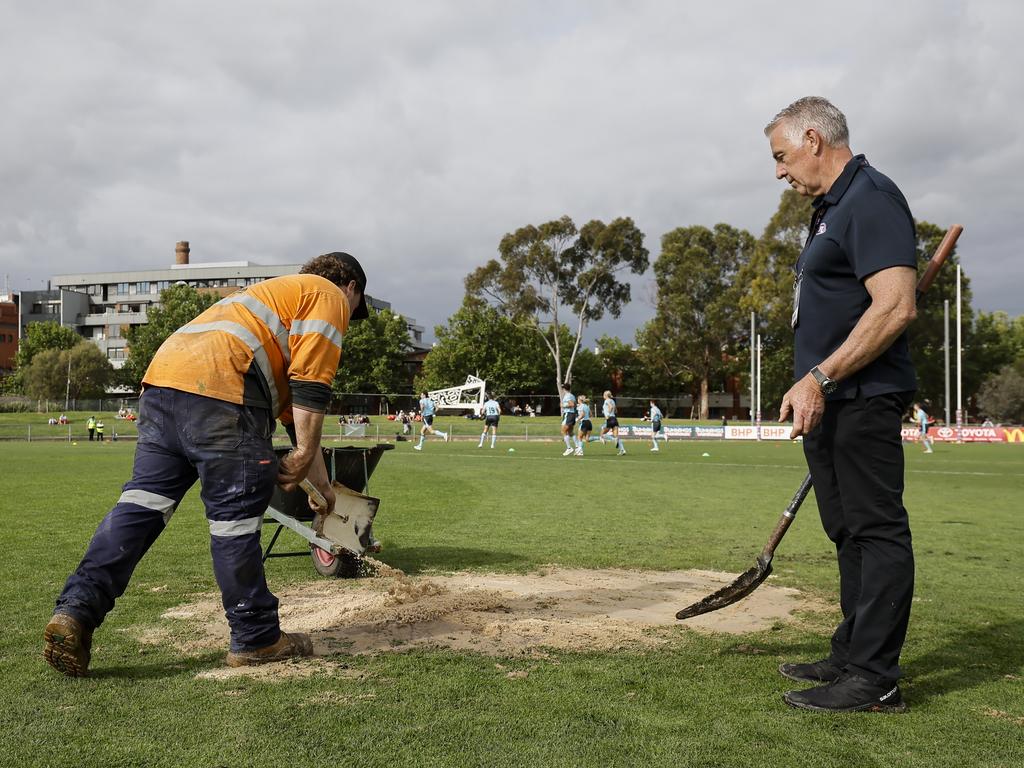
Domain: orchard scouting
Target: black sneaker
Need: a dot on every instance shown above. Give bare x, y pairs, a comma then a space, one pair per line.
850, 693
823, 671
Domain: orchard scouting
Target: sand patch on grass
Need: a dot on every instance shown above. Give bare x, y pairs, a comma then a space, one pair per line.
508, 615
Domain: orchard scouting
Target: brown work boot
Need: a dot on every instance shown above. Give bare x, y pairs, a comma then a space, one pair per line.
68, 645
289, 645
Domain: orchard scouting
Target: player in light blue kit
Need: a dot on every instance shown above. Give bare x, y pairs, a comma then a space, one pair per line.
568, 419
427, 409
585, 426
492, 415
611, 422
921, 417
656, 426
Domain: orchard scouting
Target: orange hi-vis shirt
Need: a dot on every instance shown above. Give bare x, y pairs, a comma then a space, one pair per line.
258, 344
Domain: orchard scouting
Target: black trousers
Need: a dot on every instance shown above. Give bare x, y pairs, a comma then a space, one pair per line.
855, 457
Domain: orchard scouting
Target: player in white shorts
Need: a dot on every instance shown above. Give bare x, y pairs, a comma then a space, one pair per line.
568, 419
492, 415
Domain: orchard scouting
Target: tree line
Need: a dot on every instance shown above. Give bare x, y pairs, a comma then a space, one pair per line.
525, 314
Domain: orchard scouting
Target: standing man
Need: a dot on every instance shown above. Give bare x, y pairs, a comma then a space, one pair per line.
853, 300
656, 426
90, 425
100, 427
210, 397
568, 418
427, 409
492, 415
921, 417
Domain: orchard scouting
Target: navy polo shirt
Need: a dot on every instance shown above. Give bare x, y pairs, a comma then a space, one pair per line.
861, 226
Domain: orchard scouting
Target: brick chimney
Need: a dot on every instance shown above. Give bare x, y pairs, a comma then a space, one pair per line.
181, 252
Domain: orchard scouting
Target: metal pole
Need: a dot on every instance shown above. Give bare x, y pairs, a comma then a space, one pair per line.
67, 389
945, 348
752, 374
959, 360
758, 418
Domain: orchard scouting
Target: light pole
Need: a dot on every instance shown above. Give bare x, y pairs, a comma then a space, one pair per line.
758, 422
945, 313
752, 373
67, 389
959, 361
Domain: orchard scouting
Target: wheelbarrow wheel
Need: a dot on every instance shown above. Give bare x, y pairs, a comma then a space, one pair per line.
343, 566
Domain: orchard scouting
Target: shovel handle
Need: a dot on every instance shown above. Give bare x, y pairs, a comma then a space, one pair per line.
938, 259
315, 495
786, 520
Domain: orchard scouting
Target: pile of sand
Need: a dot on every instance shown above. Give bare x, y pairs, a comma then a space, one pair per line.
497, 614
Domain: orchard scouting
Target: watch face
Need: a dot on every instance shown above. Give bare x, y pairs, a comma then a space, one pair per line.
828, 386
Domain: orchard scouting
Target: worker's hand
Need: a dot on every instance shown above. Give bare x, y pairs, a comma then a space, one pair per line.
293, 468
329, 497
807, 404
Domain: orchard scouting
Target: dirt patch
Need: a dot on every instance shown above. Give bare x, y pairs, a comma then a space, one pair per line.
496, 614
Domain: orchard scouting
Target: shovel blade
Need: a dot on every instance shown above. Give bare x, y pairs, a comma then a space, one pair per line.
746, 583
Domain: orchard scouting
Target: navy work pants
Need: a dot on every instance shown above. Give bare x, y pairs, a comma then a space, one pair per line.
855, 457
182, 438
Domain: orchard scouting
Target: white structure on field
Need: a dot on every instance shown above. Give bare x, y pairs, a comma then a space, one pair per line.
466, 396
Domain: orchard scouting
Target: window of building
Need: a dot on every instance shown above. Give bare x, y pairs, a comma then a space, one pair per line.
142, 287
122, 288
116, 353
114, 331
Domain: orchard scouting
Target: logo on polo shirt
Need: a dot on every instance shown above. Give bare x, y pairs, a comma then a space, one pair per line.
821, 228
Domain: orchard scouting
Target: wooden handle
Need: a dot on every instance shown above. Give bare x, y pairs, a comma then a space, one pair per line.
941, 254
315, 495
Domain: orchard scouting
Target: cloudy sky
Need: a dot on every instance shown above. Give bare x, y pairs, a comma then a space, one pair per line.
415, 134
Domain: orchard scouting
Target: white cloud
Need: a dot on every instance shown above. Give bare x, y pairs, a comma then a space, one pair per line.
416, 134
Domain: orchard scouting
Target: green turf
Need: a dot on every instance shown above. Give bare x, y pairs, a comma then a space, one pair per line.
701, 701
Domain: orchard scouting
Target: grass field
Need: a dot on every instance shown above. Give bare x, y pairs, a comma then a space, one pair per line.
702, 700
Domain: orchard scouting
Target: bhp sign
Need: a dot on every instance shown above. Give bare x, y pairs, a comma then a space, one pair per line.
771, 432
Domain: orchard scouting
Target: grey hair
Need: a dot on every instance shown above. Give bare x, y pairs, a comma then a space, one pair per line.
812, 112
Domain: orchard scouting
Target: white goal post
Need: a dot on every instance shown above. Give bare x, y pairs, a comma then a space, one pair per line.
466, 396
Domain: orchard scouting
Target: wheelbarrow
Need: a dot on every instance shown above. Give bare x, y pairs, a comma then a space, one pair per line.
335, 550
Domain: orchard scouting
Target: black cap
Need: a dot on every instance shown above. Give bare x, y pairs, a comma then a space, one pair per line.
350, 261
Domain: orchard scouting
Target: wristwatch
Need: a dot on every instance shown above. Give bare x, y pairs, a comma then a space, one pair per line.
828, 386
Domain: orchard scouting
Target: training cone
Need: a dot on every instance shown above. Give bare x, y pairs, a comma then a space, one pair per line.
706, 455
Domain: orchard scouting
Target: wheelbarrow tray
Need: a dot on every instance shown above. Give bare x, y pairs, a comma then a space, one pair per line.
337, 541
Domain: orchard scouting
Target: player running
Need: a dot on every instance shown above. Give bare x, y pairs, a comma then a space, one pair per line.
922, 423
656, 426
427, 409
568, 418
585, 425
611, 422
492, 415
